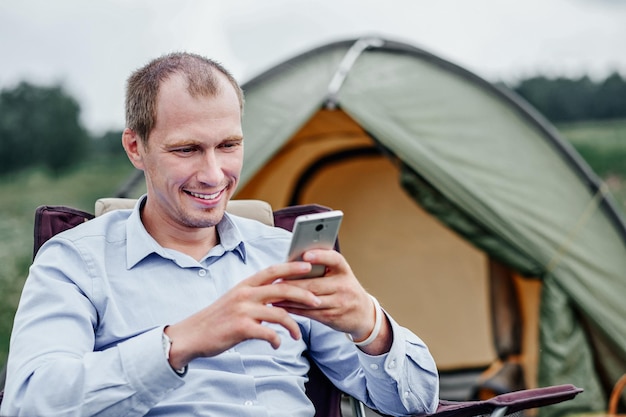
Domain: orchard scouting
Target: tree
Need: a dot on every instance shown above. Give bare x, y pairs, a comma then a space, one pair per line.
610, 99
40, 126
110, 143
566, 100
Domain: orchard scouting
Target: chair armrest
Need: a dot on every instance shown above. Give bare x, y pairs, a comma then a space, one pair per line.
511, 401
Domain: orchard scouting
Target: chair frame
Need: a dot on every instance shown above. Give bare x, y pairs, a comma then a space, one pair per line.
326, 398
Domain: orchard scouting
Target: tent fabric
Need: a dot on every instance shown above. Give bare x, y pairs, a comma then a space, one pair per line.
342, 168
568, 347
486, 165
429, 198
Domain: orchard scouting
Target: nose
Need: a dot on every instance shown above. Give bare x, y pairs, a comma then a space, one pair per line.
210, 170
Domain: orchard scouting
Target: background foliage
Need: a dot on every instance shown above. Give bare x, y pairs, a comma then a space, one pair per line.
39, 126
566, 100
20, 194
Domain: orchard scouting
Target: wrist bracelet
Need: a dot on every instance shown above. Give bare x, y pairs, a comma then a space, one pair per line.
378, 321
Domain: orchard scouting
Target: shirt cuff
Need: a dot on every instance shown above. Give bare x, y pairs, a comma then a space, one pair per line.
386, 365
146, 366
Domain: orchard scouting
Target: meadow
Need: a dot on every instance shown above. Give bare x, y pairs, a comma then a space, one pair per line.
601, 144
20, 195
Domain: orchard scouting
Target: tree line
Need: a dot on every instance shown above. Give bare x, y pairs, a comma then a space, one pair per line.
568, 100
40, 125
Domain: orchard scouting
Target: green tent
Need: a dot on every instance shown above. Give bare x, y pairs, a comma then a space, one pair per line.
468, 216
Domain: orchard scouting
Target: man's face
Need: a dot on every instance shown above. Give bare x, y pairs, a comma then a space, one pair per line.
193, 157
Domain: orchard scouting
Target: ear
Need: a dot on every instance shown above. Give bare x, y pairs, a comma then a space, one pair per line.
133, 146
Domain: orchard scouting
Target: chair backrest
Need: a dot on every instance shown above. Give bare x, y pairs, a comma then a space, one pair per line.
326, 398
253, 209
51, 220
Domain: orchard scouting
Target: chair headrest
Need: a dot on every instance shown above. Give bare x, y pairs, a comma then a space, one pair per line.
252, 209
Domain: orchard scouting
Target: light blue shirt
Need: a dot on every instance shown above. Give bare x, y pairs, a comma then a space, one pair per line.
87, 334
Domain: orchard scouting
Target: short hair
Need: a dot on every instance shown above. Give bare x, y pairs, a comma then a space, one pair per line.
142, 87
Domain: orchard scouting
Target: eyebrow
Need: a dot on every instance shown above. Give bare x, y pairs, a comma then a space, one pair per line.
195, 142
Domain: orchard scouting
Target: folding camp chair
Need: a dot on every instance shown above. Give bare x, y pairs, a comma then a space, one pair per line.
51, 220
326, 398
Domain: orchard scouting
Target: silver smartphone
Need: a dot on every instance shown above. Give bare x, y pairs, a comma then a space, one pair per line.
314, 231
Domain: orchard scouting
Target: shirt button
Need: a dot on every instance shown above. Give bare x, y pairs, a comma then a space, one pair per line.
392, 364
248, 403
407, 394
374, 366
202, 272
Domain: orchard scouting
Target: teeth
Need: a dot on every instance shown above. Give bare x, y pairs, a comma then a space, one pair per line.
205, 196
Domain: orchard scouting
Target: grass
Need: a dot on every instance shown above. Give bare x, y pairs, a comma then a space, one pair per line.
602, 144
20, 195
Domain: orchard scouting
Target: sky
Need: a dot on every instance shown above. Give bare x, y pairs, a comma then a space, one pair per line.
90, 47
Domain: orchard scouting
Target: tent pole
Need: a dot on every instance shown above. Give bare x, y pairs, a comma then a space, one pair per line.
345, 66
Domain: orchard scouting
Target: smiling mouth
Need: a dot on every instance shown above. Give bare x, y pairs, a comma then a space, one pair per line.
204, 196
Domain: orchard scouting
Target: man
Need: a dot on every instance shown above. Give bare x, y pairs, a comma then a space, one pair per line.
176, 308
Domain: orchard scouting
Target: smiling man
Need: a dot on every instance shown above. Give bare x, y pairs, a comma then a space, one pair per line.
178, 308
192, 161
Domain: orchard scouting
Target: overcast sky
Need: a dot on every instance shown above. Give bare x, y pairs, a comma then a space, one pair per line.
90, 47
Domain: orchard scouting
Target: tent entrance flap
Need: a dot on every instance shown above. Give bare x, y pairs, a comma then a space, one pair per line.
398, 251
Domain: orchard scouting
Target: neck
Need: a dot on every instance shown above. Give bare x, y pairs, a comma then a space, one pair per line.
193, 241
195, 246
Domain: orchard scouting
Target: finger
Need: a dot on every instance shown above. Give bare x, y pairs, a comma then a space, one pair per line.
320, 290
261, 332
290, 305
331, 258
273, 337
280, 316
329, 316
278, 271
292, 292
268, 314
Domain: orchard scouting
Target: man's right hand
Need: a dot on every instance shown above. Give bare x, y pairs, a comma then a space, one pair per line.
239, 314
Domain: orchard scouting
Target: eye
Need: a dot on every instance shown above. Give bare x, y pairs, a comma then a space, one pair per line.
231, 144
186, 150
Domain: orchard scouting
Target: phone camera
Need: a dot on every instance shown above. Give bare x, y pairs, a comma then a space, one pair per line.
319, 227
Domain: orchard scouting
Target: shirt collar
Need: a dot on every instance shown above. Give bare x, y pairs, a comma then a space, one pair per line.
231, 238
141, 244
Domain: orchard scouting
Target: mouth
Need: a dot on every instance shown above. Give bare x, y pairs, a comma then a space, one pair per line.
206, 197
